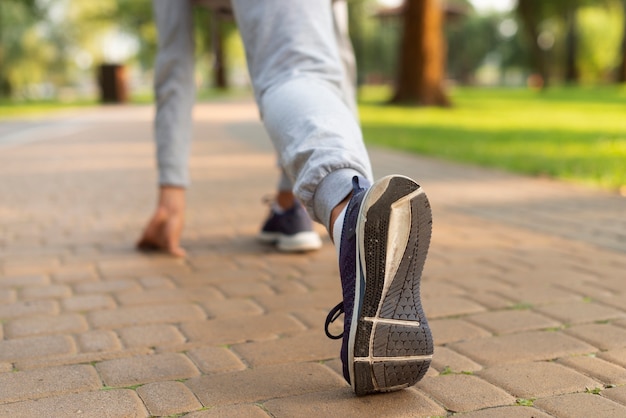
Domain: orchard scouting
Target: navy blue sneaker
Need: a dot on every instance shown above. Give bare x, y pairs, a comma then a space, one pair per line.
290, 230
387, 344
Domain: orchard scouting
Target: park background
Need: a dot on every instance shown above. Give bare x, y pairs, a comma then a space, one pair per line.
530, 86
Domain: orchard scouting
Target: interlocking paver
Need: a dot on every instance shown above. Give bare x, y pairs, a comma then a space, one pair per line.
580, 312
168, 398
231, 411
252, 385
150, 335
603, 336
617, 394
212, 360
506, 411
537, 379
523, 287
41, 325
342, 403
512, 321
452, 330
581, 405
446, 360
144, 315
35, 347
234, 330
517, 348
603, 371
84, 303
96, 341
29, 308
461, 392
146, 369
40, 383
110, 404
308, 346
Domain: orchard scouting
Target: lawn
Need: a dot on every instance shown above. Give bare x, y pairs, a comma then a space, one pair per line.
574, 134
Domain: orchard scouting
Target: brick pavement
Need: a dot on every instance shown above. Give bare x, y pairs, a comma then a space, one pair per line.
524, 287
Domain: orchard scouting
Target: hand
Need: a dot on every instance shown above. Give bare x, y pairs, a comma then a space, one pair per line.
166, 225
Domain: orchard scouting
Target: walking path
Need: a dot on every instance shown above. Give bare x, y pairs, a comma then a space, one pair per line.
525, 287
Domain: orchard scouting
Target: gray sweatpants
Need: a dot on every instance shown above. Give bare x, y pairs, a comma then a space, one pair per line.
302, 70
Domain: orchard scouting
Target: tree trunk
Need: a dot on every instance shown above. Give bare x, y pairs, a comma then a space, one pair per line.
621, 71
219, 66
421, 69
528, 12
571, 46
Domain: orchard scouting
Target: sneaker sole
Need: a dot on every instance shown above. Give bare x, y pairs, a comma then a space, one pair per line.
391, 347
300, 242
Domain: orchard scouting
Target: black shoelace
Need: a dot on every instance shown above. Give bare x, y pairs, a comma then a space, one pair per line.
332, 317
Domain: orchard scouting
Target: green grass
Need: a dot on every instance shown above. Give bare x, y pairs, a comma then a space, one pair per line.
576, 134
11, 109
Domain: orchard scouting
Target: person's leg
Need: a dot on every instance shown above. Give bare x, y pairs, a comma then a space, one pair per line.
174, 90
297, 73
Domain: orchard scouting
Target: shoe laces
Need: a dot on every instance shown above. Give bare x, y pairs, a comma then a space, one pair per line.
332, 317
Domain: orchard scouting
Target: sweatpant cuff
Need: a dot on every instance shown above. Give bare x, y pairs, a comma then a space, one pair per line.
331, 191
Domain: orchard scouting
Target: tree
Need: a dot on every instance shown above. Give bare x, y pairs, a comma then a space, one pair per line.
621, 69
421, 68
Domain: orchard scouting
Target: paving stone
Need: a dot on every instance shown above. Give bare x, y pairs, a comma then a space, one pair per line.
234, 330
97, 341
461, 392
617, 394
112, 286
230, 308
78, 358
446, 360
342, 402
22, 281
252, 385
85, 303
539, 295
451, 330
512, 321
33, 347
144, 315
50, 291
211, 360
447, 306
146, 369
491, 300
537, 379
617, 356
581, 405
7, 296
110, 403
168, 398
41, 325
29, 308
522, 347
603, 336
601, 370
580, 312
315, 299
41, 383
506, 411
231, 411
6, 367
242, 289
158, 296
156, 282
308, 346
150, 335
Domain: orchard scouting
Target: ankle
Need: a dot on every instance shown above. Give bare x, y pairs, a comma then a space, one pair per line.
285, 199
334, 214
